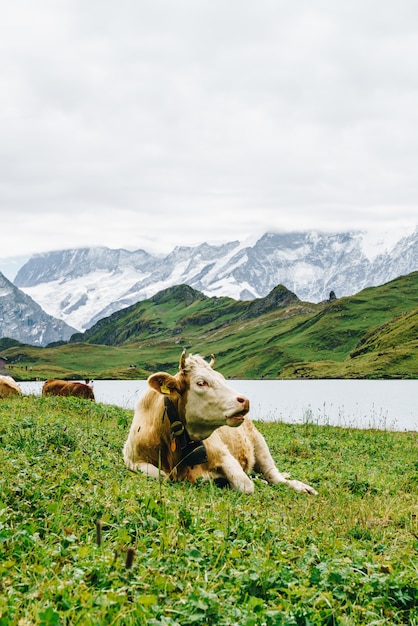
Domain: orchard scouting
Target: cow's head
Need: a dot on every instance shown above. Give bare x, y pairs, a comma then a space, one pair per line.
203, 399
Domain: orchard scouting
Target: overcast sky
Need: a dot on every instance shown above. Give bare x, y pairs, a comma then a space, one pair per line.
150, 124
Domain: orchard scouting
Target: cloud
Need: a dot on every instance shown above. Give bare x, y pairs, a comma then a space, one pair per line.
151, 124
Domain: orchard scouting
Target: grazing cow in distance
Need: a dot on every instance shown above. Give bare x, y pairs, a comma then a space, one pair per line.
9, 387
192, 425
54, 387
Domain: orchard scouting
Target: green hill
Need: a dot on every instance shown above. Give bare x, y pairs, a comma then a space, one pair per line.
372, 334
181, 311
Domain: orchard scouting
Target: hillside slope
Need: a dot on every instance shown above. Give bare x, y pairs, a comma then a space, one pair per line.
387, 351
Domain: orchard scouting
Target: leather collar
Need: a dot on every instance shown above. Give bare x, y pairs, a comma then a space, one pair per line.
191, 452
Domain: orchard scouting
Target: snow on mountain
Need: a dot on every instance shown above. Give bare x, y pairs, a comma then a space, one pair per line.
82, 286
23, 319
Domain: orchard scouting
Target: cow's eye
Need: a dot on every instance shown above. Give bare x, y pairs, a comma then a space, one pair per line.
201, 383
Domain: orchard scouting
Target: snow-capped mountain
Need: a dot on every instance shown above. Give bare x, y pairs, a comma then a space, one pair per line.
23, 319
82, 286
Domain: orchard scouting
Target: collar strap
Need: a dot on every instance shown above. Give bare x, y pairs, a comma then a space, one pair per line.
192, 452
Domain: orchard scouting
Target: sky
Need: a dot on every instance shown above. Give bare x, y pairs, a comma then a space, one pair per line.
152, 123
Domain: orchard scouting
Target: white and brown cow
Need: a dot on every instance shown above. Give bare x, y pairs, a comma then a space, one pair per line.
184, 427
9, 387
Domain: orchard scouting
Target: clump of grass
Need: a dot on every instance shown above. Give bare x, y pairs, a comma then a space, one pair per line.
83, 541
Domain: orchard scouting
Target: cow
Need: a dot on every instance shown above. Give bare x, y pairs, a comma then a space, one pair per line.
193, 425
9, 387
54, 387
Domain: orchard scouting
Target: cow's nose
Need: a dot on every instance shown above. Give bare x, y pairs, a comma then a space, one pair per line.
244, 401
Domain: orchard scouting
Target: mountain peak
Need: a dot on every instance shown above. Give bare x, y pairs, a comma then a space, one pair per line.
21, 318
181, 294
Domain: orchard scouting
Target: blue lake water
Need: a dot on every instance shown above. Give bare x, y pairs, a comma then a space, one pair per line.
381, 404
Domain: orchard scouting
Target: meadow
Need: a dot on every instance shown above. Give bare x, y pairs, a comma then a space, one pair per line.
83, 541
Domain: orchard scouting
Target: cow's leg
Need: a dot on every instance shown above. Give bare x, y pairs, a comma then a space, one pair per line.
267, 467
135, 464
150, 470
146, 468
235, 475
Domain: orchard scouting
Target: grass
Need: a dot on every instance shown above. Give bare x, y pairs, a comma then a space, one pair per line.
85, 542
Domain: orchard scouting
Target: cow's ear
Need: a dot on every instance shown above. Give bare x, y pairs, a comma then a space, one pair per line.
164, 383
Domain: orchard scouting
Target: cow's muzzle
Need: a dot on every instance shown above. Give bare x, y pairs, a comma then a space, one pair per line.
235, 419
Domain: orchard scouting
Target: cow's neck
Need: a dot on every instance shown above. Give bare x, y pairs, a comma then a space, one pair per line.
191, 452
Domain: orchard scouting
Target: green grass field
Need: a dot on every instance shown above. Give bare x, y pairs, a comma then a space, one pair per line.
85, 542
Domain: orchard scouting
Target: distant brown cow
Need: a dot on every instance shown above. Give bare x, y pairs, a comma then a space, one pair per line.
53, 387
9, 387
192, 425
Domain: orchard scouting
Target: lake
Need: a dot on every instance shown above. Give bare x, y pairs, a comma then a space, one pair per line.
381, 404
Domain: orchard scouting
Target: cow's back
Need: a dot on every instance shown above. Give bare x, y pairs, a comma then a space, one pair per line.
82, 391
55, 387
149, 436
